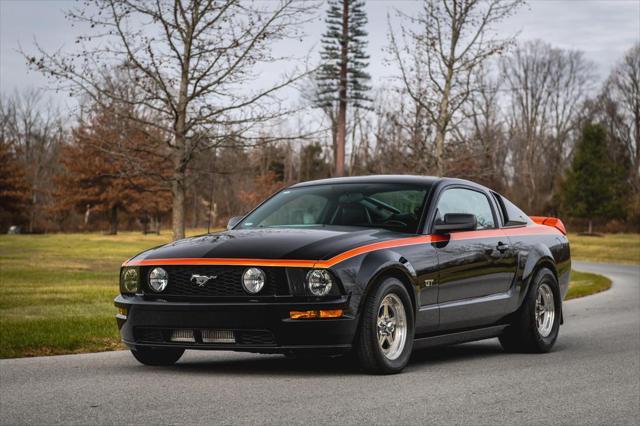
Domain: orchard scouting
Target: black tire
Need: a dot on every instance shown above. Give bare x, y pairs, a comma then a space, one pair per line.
522, 334
157, 356
367, 349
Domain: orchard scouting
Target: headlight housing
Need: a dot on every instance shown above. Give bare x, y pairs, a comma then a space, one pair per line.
158, 279
129, 280
319, 282
253, 280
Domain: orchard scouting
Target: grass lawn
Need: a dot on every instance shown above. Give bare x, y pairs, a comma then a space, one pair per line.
612, 248
56, 291
585, 283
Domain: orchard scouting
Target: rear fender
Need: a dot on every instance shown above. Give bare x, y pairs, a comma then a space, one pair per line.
538, 256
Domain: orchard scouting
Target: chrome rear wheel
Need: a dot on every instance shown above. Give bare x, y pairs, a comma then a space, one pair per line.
545, 310
534, 327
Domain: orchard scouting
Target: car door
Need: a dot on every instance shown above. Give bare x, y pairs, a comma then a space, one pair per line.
476, 268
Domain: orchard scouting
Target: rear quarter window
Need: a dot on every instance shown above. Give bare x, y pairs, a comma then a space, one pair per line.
511, 214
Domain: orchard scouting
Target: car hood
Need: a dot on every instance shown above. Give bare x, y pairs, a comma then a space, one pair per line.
271, 243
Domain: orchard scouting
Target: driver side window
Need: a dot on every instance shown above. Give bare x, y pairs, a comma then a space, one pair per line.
461, 200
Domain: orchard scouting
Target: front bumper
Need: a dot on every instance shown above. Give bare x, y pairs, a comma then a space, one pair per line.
257, 327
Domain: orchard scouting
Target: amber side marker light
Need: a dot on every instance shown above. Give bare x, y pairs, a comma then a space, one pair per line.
323, 313
122, 311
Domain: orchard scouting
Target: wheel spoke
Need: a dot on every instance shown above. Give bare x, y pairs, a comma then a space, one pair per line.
381, 340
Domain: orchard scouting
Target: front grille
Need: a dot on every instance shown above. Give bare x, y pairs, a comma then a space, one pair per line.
204, 336
227, 282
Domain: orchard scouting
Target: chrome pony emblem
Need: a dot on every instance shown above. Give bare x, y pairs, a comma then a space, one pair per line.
202, 280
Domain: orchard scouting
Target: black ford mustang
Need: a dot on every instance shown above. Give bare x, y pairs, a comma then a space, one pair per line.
375, 266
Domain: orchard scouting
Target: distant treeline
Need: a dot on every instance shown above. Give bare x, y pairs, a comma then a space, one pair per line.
148, 150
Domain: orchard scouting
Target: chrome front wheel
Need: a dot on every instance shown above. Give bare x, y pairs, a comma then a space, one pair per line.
392, 326
384, 339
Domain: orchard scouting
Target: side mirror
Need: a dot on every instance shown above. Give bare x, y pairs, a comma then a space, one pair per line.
454, 222
233, 221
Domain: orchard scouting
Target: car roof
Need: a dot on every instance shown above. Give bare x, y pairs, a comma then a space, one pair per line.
406, 179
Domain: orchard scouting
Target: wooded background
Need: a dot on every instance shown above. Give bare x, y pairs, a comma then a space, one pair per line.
170, 132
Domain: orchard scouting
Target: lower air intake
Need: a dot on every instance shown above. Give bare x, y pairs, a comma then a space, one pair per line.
218, 336
182, 335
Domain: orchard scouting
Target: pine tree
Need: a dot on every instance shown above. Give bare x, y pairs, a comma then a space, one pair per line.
342, 78
595, 184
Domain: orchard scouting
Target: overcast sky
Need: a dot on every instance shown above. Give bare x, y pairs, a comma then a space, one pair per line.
603, 29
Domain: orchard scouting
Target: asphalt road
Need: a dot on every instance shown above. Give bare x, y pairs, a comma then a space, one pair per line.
592, 377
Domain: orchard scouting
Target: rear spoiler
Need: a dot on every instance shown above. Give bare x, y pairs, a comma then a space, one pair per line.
550, 221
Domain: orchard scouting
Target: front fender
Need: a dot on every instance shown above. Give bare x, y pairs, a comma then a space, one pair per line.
359, 274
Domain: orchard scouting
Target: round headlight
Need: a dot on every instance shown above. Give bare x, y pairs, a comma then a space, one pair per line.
158, 279
253, 280
319, 282
130, 280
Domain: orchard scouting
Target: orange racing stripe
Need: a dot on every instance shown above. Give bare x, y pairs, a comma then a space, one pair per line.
221, 261
401, 242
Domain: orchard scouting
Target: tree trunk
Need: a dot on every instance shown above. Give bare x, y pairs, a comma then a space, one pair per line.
590, 226
636, 159
157, 224
32, 213
195, 216
113, 220
177, 211
334, 136
442, 123
87, 215
180, 160
178, 189
342, 102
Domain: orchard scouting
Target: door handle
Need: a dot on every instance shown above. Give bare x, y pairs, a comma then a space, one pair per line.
502, 247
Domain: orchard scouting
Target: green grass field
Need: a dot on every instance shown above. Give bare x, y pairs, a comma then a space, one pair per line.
612, 248
57, 290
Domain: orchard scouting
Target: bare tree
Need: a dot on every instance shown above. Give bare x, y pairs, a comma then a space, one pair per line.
403, 135
192, 62
36, 131
623, 88
547, 88
486, 133
439, 53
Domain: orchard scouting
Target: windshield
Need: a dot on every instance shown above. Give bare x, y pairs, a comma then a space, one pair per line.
391, 206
